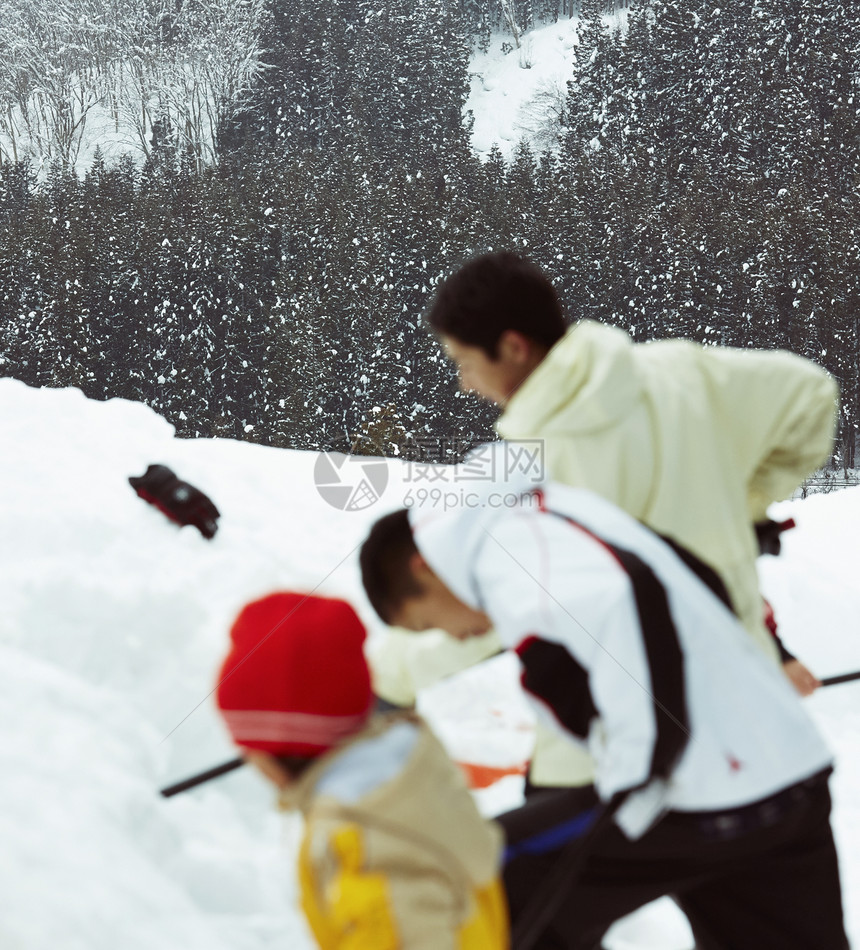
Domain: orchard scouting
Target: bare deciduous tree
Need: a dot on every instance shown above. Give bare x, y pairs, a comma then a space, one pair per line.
186, 65
51, 68
509, 11
539, 120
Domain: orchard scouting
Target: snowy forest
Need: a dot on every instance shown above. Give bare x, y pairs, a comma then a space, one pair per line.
296, 175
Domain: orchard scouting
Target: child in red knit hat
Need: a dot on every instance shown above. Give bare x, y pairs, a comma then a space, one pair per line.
395, 855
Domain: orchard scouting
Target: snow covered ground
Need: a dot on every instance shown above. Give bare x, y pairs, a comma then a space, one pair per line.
112, 622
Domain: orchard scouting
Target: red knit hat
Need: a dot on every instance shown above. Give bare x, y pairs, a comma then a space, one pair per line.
295, 681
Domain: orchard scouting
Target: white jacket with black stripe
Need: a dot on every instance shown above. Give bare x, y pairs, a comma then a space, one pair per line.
625, 649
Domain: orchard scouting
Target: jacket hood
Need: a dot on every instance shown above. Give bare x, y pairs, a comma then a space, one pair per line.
450, 535
425, 799
587, 382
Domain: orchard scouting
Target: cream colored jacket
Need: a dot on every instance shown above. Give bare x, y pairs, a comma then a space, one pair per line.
693, 441
402, 662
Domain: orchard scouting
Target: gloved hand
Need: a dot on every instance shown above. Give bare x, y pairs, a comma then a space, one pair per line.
179, 501
768, 534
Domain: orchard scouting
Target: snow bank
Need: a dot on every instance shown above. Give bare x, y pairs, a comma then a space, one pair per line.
814, 587
112, 622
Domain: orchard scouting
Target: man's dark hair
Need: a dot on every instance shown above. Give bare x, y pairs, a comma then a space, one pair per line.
384, 559
494, 293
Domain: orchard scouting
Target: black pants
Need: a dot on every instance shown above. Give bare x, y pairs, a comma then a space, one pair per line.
771, 888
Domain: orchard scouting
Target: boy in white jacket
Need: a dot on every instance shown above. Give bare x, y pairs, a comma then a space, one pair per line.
720, 775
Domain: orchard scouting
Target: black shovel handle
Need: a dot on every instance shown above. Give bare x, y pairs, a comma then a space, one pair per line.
234, 764
196, 780
842, 678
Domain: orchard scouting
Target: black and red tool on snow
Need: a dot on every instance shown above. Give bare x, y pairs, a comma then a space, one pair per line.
177, 500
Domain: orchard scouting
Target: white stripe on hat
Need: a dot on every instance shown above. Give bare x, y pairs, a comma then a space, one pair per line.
267, 725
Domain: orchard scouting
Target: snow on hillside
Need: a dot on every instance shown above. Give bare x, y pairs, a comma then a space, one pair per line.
112, 622
515, 93
518, 93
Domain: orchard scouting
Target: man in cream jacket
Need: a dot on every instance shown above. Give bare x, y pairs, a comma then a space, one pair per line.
695, 442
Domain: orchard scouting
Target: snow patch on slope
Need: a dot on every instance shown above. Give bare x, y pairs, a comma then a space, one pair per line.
519, 94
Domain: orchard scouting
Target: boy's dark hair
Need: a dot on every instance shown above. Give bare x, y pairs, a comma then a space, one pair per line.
494, 293
384, 559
